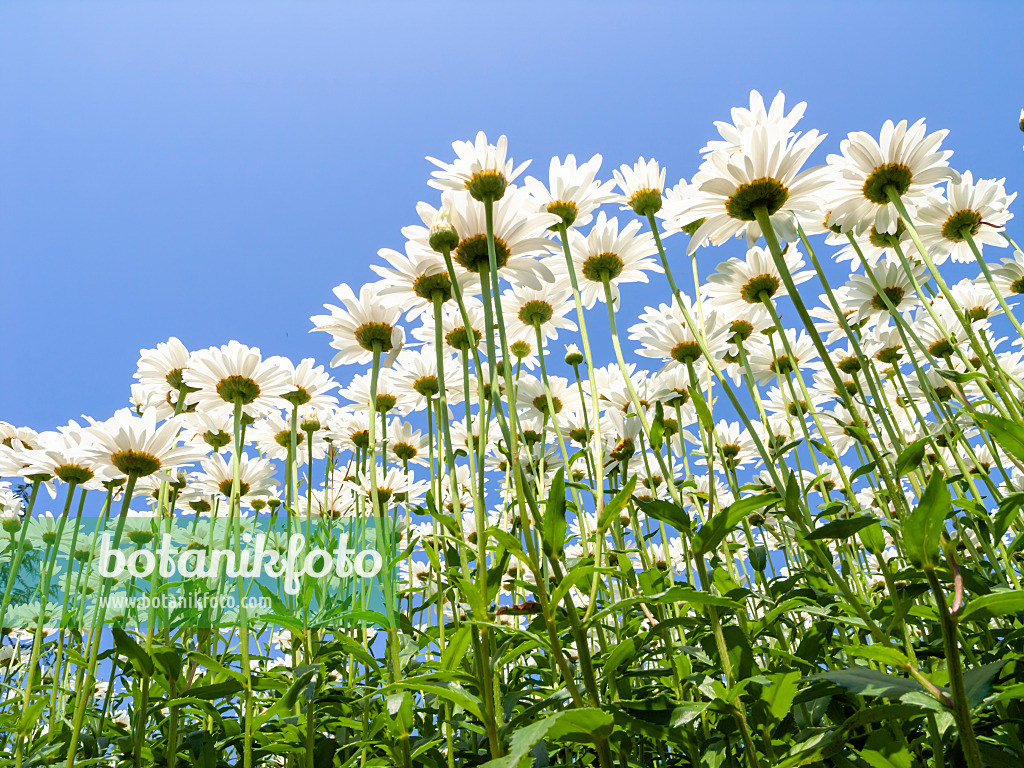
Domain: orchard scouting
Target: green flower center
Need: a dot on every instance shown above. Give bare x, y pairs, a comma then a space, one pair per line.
238, 388
955, 225
541, 404
849, 365
693, 226
369, 334
895, 175
536, 313
895, 295
886, 240
765, 285
136, 463
426, 386
225, 487
487, 185
567, 209
521, 349
425, 286
580, 435
404, 451
889, 355
645, 202
361, 439
471, 253
298, 396
747, 198
782, 365
941, 348
459, 339
385, 402
73, 473
216, 440
284, 439
686, 352
1017, 286
977, 313
603, 265
741, 329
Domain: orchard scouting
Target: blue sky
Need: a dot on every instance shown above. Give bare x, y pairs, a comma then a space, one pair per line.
211, 170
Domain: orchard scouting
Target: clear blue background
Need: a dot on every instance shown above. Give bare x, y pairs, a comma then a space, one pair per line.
211, 170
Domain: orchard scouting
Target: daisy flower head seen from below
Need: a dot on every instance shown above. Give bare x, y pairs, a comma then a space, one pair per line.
980, 210
518, 236
362, 325
757, 114
904, 159
738, 283
223, 376
763, 173
572, 192
607, 254
160, 375
136, 446
309, 383
484, 170
412, 280
641, 185
526, 309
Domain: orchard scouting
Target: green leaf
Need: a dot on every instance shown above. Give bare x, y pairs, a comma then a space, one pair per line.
1008, 508
553, 532
910, 458
978, 681
619, 655
841, 529
869, 682
718, 527
666, 512
658, 426
215, 690
780, 694
584, 725
993, 604
1009, 434
126, 646
456, 648
618, 502
923, 528
883, 654
701, 406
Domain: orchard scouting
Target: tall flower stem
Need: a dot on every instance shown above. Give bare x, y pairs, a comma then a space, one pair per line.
89, 681
958, 693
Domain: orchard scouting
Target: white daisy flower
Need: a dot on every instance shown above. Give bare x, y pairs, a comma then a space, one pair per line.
903, 158
363, 324
763, 173
980, 209
234, 373
641, 186
572, 192
482, 169
607, 253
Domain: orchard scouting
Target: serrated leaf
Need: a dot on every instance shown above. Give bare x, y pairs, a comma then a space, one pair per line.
1009, 434
584, 725
869, 682
978, 681
993, 604
780, 694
